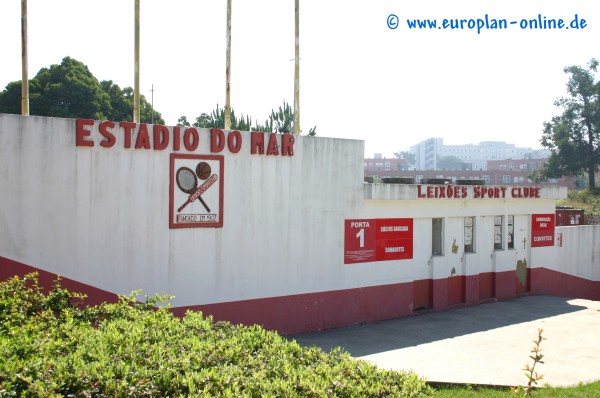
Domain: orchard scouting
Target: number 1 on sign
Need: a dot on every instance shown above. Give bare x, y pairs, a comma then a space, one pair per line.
361, 236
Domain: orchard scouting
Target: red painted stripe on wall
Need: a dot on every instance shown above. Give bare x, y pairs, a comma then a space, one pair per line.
315, 311
95, 296
547, 281
422, 294
472, 290
440, 294
487, 285
456, 290
505, 285
338, 308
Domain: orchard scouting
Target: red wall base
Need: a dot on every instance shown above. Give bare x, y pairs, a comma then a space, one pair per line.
326, 310
95, 296
505, 285
456, 290
548, 282
487, 285
422, 294
315, 311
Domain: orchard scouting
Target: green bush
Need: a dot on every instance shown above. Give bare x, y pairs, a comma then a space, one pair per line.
50, 345
588, 200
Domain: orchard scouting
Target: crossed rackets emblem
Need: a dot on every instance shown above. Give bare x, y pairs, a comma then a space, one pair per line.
187, 181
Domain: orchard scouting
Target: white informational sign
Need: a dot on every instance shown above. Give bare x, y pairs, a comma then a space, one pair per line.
468, 235
559, 239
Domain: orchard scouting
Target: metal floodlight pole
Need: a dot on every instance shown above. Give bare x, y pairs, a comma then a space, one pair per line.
297, 72
136, 77
228, 70
152, 105
24, 71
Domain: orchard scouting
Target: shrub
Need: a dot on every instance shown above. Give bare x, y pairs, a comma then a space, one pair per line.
51, 346
588, 200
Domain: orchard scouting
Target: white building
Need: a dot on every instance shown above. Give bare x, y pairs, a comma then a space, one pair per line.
427, 153
269, 229
474, 156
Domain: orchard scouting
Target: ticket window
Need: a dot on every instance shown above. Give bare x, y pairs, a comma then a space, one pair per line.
469, 238
437, 237
510, 242
498, 232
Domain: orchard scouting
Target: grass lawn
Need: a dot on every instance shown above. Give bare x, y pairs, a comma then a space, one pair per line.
460, 391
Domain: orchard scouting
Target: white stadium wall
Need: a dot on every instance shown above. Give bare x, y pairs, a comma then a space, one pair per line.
573, 269
278, 238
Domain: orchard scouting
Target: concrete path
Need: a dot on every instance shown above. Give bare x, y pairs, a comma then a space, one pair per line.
484, 344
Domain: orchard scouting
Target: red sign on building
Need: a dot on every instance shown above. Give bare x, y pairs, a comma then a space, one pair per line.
542, 230
394, 239
385, 239
359, 241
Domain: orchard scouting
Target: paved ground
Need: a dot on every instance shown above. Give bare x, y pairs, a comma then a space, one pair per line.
484, 344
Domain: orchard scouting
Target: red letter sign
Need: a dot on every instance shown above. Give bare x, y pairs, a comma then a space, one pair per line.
378, 240
542, 230
359, 241
394, 239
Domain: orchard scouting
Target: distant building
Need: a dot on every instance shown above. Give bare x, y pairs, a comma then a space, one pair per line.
426, 153
385, 164
516, 164
474, 156
490, 177
495, 172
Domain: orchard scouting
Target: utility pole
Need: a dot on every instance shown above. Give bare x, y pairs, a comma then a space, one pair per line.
297, 72
228, 70
136, 77
24, 72
152, 105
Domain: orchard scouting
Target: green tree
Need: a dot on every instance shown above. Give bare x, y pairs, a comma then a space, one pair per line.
120, 106
279, 121
217, 120
449, 163
182, 121
147, 114
409, 156
283, 119
205, 120
10, 98
70, 90
574, 136
267, 127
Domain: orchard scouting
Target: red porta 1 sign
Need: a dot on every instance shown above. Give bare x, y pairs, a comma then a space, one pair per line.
542, 230
385, 239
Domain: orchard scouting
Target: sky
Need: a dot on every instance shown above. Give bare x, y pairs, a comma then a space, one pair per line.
359, 78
